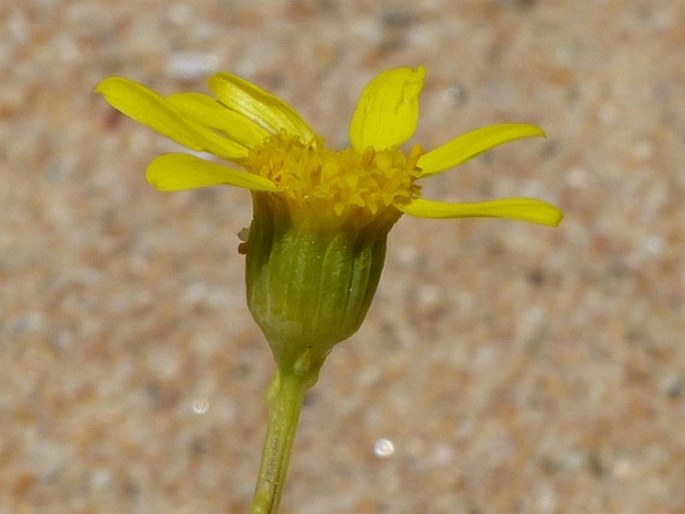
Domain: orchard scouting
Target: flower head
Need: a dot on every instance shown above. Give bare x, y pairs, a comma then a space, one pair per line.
279, 153
321, 216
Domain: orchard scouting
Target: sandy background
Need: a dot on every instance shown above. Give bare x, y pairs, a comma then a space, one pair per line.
515, 368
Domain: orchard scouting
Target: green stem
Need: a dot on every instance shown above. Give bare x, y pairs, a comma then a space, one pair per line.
285, 398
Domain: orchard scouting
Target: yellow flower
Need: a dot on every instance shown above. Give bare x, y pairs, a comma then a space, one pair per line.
317, 240
279, 153
316, 244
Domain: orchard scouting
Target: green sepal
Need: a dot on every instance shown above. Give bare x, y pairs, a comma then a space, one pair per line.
310, 280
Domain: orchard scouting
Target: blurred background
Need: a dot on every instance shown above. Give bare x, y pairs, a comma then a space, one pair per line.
503, 367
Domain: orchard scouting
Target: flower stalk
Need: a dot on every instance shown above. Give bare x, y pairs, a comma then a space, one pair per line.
284, 399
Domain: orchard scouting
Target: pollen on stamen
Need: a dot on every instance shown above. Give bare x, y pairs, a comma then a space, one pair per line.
313, 176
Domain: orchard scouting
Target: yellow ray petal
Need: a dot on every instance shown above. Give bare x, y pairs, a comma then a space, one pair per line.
263, 108
147, 107
525, 209
178, 171
388, 110
152, 110
207, 111
471, 144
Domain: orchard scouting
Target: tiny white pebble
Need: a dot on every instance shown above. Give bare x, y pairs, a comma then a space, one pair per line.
383, 448
200, 406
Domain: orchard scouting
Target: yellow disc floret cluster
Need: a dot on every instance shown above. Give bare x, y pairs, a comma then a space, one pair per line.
312, 176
